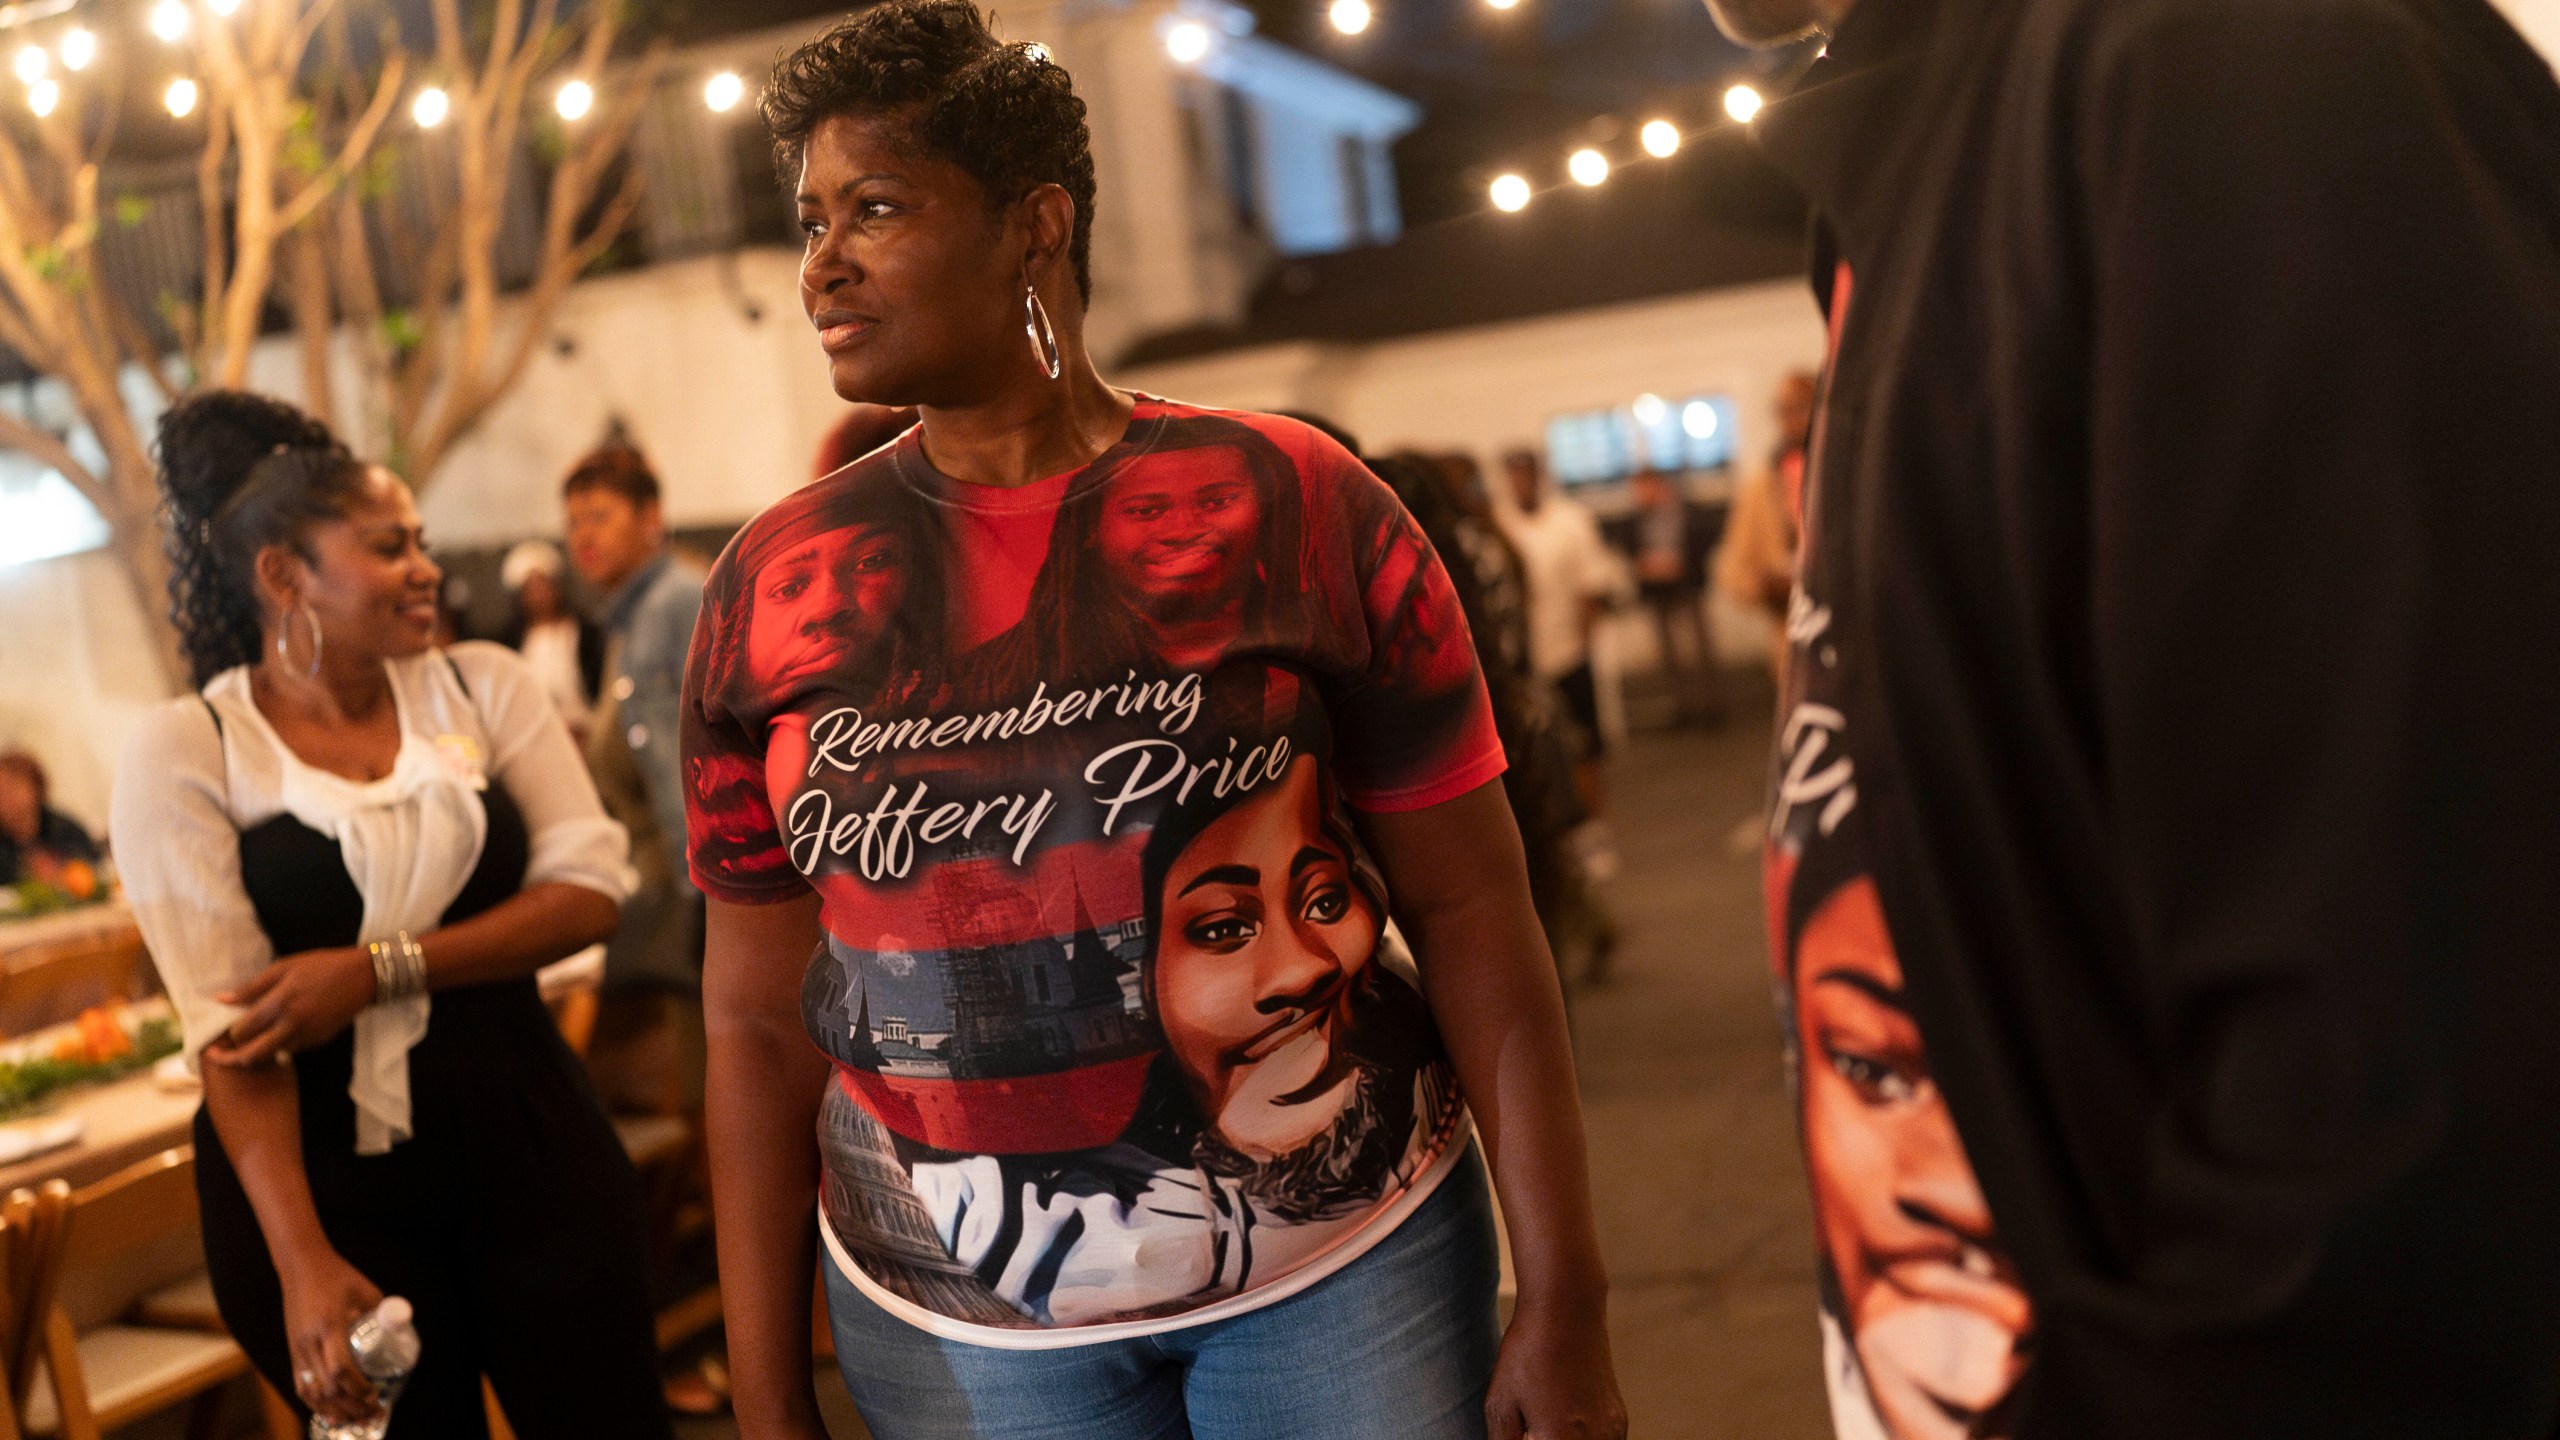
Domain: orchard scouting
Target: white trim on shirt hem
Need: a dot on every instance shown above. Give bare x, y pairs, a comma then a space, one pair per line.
1306, 1276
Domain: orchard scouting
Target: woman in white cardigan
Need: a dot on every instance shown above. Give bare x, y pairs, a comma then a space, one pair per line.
349, 852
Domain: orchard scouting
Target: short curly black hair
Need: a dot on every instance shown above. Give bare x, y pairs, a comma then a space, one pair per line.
1007, 114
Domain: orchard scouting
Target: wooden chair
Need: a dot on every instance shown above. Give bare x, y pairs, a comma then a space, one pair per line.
121, 1242
30, 1229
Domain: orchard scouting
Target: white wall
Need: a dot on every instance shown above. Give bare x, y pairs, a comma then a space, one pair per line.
2538, 19
1488, 388
76, 670
729, 409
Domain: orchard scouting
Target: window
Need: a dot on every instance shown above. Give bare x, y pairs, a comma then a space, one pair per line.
43, 516
1594, 447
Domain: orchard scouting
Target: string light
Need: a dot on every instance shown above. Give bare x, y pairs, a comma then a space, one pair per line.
1742, 103
1351, 16
43, 95
723, 91
1587, 167
223, 7
1510, 193
180, 97
170, 20
31, 62
574, 100
431, 107
1650, 410
1699, 419
79, 47
1661, 139
1187, 41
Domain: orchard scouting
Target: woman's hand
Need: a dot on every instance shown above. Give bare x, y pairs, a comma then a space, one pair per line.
294, 1004
1554, 1380
324, 1297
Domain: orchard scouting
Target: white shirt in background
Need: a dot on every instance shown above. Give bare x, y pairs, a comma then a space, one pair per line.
550, 651
1567, 566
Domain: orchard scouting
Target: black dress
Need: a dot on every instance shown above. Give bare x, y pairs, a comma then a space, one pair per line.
512, 1219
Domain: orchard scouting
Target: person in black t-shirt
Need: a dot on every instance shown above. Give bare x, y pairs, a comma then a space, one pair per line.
2171, 656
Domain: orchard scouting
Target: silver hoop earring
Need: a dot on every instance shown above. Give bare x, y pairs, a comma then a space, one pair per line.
1044, 341
312, 618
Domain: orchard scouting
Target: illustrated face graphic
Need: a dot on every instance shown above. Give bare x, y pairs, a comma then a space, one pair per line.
1178, 535
1934, 1307
835, 596
1265, 940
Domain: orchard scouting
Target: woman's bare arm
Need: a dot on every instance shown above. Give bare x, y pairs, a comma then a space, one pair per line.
1461, 893
258, 1115
765, 1080
303, 1000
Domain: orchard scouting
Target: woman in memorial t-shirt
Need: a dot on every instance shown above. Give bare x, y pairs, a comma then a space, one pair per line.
1054, 772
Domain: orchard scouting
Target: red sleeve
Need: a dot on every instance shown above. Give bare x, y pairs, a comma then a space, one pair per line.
733, 845
1414, 726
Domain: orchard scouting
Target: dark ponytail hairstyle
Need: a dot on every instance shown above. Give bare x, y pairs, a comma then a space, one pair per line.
238, 473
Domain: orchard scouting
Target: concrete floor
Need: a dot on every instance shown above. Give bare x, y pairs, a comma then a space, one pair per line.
1694, 1160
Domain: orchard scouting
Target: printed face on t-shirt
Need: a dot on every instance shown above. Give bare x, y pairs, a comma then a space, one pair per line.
830, 602
1178, 539
1266, 938
1933, 1307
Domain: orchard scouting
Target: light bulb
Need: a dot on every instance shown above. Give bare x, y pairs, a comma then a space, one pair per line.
180, 97
1650, 410
1187, 41
1351, 16
1587, 167
574, 100
723, 91
43, 95
1742, 103
223, 7
79, 47
431, 107
1699, 419
31, 62
170, 20
1503, 4
1661, 139
1510, 193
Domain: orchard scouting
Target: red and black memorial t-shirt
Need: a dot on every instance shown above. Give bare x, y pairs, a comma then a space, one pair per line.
1117, 1043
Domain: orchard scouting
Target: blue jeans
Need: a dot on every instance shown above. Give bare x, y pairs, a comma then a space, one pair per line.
1397, 1345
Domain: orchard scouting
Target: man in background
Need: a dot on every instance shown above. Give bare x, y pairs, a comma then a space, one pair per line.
1572, 578
1668, 538
2175, 649
617, 538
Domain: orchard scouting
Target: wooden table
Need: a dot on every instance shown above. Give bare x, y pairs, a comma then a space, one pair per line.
55, 966
128, 1120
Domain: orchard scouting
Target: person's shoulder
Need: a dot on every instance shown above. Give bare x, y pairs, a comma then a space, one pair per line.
482, 664
1307, 445
180, 733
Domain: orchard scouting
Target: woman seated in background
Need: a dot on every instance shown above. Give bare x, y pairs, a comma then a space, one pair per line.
342, 834
37, 842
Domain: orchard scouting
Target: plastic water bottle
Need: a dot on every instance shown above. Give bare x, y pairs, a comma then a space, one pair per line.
386, 1346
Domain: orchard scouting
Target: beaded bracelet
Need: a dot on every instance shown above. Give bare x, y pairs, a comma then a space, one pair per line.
399, 968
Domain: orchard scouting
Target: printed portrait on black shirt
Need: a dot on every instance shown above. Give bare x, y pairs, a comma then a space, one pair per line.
1926, 1330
